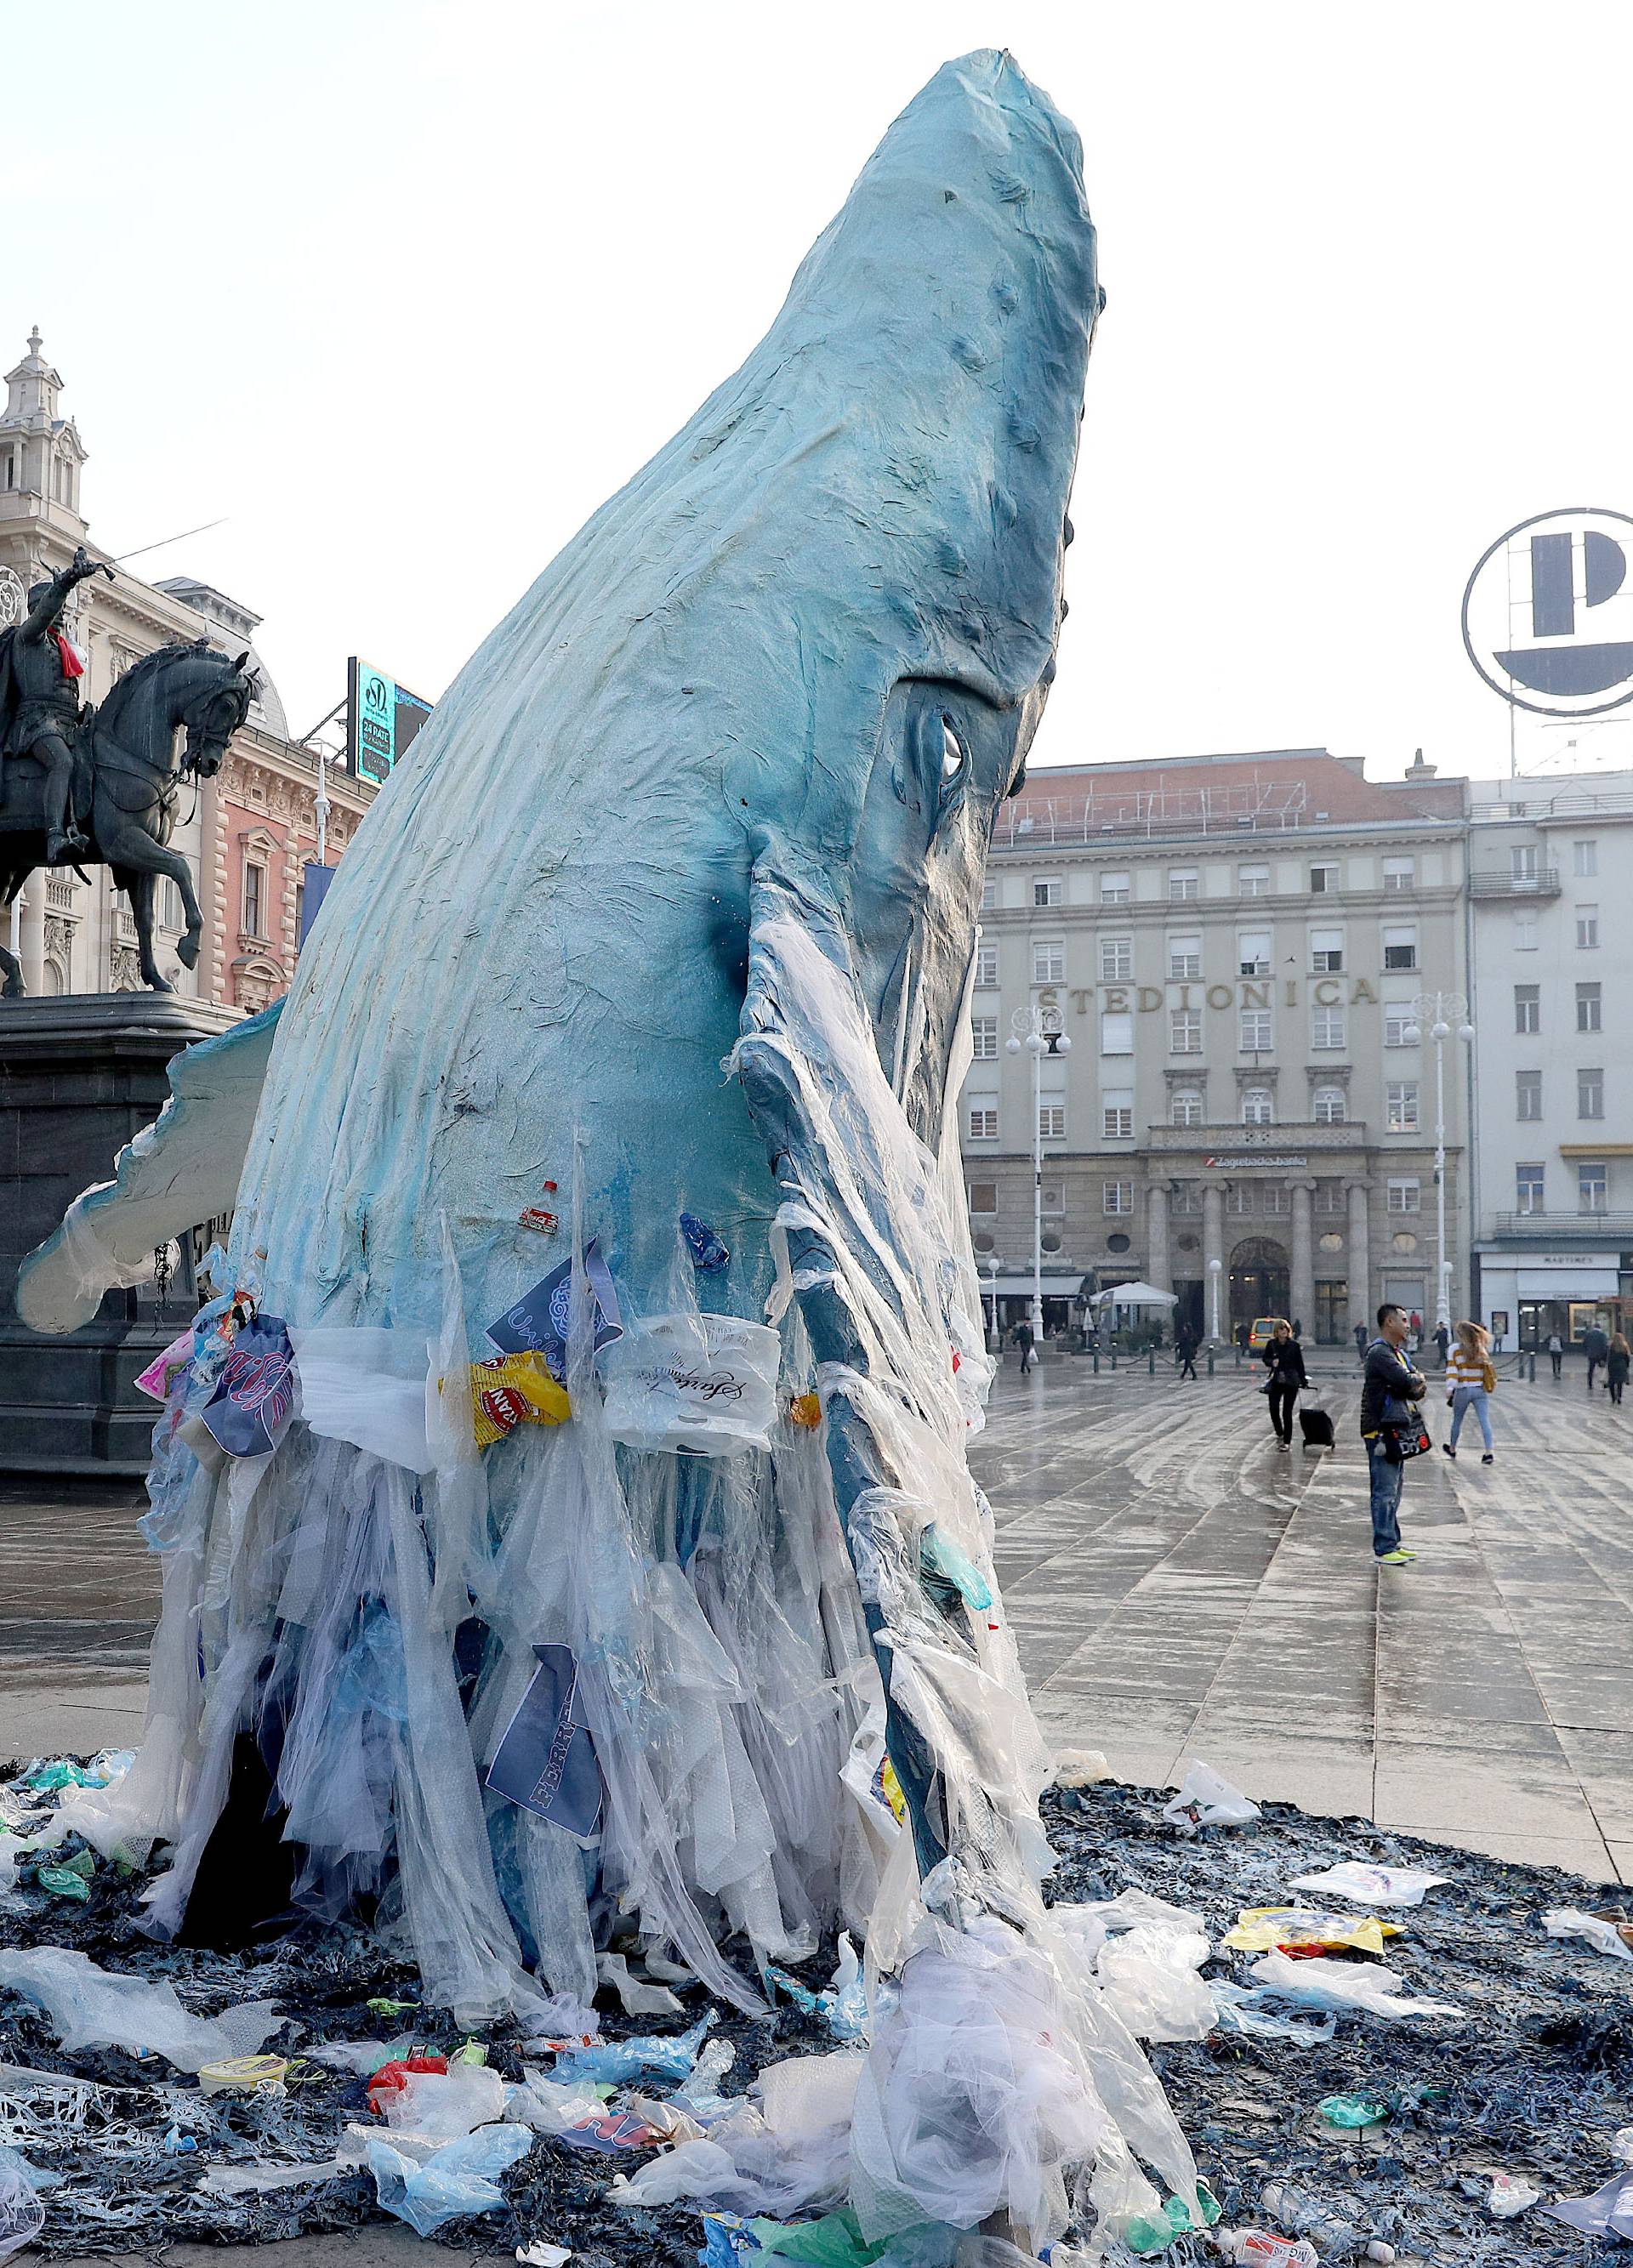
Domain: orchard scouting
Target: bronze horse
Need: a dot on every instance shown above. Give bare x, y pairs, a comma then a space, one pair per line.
126, 782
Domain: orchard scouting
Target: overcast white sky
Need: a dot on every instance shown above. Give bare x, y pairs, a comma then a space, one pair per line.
406, 290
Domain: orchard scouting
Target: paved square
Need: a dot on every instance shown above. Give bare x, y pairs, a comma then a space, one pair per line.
1179, 1590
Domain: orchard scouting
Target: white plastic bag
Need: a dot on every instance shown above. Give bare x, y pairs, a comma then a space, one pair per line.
1603, 1936
446, 2105
22, 2215
365, 1384
458, 2179
1149, 1975
92, 2007
1368, 1885
1081, 1768
1511, 2194
704, 1384
1366, 1985
1207, 1800
636, 1996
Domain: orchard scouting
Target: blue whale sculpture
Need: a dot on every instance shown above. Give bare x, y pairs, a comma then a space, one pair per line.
671, 912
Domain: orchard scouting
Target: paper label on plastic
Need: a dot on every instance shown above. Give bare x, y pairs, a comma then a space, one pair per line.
546, 1761
540, 1321
247, 1413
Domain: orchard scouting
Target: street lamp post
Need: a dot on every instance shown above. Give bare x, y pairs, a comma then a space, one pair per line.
1216, 1269
993, 1262
1038, 1031
1440, 1011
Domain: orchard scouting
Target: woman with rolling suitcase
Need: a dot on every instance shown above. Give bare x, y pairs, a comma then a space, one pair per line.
1284, 1360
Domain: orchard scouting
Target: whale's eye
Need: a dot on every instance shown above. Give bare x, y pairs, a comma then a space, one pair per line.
952, 752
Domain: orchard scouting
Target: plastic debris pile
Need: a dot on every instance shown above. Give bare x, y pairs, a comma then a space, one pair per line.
1362, 2077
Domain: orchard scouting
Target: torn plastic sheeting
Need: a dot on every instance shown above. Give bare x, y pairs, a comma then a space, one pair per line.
448, 2104
1372, 1885
92, 2007
22, 2213
617, 2061
367, 1384
1510, 2196
546, 1758
702, 1384
1243, 2009
541, 2255
1366, 1985
363, 2057
540, 1320
1602, 1935
637, 1997
1148, 1974
460, 2178
1607, 2212
259, 2180
1207, 1798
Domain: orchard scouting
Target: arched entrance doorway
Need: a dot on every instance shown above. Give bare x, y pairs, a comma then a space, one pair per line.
1259, 1280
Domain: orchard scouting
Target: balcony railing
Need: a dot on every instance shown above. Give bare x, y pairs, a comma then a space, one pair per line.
1237, 1141
1560, 1225
1495, 884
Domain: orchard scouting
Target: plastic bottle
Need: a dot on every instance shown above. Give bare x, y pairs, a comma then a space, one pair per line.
1307, 2216
1256, 2248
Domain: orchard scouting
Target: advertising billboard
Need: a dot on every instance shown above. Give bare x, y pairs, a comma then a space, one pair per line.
382, 718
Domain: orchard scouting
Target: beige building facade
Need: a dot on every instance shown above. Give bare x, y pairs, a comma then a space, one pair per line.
247, 833
1246, 1116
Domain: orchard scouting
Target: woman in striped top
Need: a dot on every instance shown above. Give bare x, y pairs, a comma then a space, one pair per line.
1470, 1375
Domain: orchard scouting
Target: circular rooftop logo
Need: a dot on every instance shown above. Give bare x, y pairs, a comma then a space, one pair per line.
1548, 616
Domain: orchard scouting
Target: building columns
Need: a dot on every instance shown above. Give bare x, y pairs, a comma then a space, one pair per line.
1215, 1291
31, 942
1302, 1289
1360, 1257
1156, 1222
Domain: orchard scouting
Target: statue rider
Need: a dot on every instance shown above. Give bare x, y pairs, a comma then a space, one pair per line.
40, 674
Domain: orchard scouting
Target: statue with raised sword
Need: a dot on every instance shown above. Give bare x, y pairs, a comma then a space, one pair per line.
82, 787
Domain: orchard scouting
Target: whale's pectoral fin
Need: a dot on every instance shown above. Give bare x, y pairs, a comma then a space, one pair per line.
858, 1205
180, 1171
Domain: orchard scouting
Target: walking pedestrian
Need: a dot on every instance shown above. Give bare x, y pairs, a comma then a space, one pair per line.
1360, 1339
1388, 1385
1443, 1340
1555, 1351
1284, 1359
1473, 1382
1026, 1339
1616, 1365
1185, 1351
1596, 1346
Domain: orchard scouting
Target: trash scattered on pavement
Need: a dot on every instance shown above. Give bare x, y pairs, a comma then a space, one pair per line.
1309, 1929
1353, 2111
1372, 1885
1081, 1768
1510, 2196
1607, 2212
1603, 1934
1345, 1984
1206, 1800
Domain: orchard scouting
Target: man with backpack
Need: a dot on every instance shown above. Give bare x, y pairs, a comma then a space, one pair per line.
1390, 1387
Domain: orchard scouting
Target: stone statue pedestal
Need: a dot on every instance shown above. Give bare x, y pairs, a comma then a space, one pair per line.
79, 1074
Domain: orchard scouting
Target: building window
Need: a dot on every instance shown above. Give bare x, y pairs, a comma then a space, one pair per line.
1590, 1094
1588, 1008
1185, 1107
989, 893
986, 967
1329, 1106
984, 1033
254, 897
1400, 947
1398, 1021
1116, 1032
983, 1117
8, 471
1326, 1027
1116, 960
1527, 1094
1185, 1198
1587, 929
1184, 957
1401, 1106
1258, 1032
1239, 1197
1278, 1198
1114, 890
1399, 873
1323, 880
1406, 1197
1526, 930
1528, 1188
1117, 1115
1592, 1186
1329, 1198
1117, 1197
1522, 861
1047, 890
983, 1197
1253, 881
1051, 1117
1184, 882
1326, 951
1258, 1106
1585, 858
1184, 1031
1528, 1007
1048, 961
1252, 951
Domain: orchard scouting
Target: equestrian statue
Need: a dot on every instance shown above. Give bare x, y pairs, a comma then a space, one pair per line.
84, 786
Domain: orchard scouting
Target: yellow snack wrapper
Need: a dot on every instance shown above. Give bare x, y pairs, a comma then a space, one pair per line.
517, 1389
1261, 1929
806, 1410
240, 2074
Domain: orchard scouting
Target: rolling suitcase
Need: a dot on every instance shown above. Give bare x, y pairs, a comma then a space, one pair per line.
1316, 1425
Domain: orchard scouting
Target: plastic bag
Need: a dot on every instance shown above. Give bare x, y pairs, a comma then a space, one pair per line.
1265, 1929
365, 1384
1372, 1885
704, 1384
248, 1413
1366, 1985
636, 1996
1511, 2194
1603, 1936
1242, 2010
92, 2007
446, 2104
1149, 1975
1081, 1768
458, 2179
1607, 2212
1206, 1800
22, 2215
619, 2061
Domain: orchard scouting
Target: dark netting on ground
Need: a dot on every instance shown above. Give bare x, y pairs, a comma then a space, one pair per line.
1534, 2082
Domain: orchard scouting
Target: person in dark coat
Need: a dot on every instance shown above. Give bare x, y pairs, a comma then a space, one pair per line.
1026, 1340
1388, 1377
1596, 1346
1185, 1351
1284, 1359
1617, 1363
